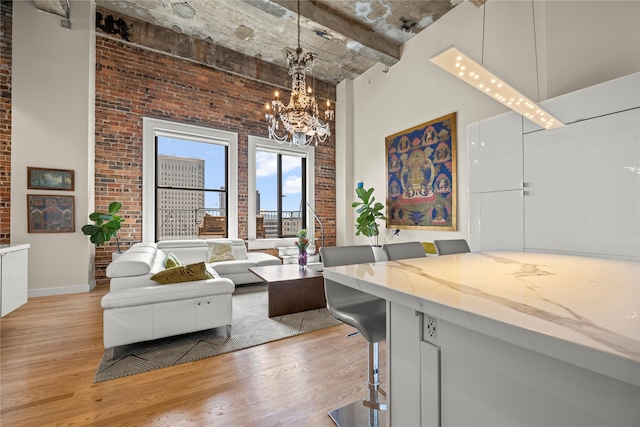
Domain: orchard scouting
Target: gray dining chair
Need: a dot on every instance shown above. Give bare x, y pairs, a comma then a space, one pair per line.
405, 250
454, 246
368, 315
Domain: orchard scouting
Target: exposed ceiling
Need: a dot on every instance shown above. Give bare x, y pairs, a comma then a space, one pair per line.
349, 36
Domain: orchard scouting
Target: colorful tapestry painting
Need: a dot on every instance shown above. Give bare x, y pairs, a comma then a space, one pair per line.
421, 176
50, 214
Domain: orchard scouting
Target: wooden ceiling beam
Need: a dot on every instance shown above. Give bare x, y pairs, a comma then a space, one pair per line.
58, 7
373, 45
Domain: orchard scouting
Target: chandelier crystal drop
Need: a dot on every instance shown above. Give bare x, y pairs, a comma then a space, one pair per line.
300, 117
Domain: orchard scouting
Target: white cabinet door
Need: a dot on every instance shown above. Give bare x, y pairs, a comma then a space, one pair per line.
495, 147
496, 221
13, 272
403, 346
583, 189
495, 154
430, 384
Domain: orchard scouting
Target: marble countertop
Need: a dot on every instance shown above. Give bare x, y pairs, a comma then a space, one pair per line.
585, 311
14, 247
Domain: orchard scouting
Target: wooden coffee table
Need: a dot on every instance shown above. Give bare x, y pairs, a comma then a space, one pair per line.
290, 289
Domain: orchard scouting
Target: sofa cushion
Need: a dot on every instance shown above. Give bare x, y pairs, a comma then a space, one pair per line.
224, 268
261, 258
240, 251
187, 251
220, 251
185, 243
158, 294
183, 273
171, 261
142, 247
239, 247
429, 248
132, 263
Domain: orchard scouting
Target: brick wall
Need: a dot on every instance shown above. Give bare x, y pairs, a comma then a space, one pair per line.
133, 82
6, 14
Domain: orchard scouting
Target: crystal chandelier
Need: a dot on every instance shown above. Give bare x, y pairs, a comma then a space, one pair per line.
300, 118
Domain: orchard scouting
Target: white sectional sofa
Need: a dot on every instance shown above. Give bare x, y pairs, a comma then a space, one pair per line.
190, 251
135, 267
139, 309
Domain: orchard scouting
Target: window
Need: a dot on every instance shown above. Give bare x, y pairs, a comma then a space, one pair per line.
189, 181
280, 194
281, 186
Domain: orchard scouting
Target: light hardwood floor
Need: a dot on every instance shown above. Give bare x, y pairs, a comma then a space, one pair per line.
51, 347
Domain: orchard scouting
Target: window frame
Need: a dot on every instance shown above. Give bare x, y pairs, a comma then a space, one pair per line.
158, 187
153, 128
255, 143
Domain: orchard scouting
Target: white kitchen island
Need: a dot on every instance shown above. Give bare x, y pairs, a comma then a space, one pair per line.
508, 338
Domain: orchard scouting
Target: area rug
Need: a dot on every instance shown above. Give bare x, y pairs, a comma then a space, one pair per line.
251, 326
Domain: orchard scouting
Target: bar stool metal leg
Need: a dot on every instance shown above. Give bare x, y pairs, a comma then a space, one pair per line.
367, 412
374, 380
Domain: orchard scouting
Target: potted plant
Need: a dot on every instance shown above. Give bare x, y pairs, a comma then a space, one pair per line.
369, 212
105, 226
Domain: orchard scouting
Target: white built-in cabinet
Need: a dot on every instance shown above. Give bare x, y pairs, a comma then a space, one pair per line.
496, 183
583, 192
495, 145
574, 189
13, 277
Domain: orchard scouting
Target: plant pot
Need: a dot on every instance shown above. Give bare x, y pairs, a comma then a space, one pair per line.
302, 259
378, 253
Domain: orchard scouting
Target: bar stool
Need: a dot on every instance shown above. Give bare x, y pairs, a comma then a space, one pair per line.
368, 315
404, 250
454, 246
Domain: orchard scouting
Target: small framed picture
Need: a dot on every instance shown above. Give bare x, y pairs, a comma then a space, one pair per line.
49, 179
50, 214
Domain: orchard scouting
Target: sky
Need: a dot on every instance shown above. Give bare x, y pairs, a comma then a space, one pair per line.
266, 172
266, 181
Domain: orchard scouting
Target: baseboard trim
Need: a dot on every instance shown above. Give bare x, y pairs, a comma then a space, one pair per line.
77, 289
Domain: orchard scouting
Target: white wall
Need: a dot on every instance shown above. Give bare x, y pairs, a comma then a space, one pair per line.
600, 44
415, 91
344, 160
53, 116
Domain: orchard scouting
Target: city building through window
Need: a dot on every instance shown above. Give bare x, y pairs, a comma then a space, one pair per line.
191, 182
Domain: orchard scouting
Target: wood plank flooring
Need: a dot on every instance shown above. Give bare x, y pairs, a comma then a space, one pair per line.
51, 347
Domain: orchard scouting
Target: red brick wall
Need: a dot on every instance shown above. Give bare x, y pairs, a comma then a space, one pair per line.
132, 83
6, 14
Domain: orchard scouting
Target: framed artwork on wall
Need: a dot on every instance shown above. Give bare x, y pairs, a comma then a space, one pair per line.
50, 214
422, 176
50, 179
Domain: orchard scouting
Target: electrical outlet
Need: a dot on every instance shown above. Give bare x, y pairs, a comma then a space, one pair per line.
432, 327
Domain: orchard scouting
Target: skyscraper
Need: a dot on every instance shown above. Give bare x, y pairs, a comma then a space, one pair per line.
177, 205
257, 202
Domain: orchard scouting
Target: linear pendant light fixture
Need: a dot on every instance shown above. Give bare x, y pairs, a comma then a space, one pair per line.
466, 69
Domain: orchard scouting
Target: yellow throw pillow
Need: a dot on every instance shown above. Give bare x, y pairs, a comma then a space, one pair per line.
429, 248
219, 251
183, 273
171, 261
